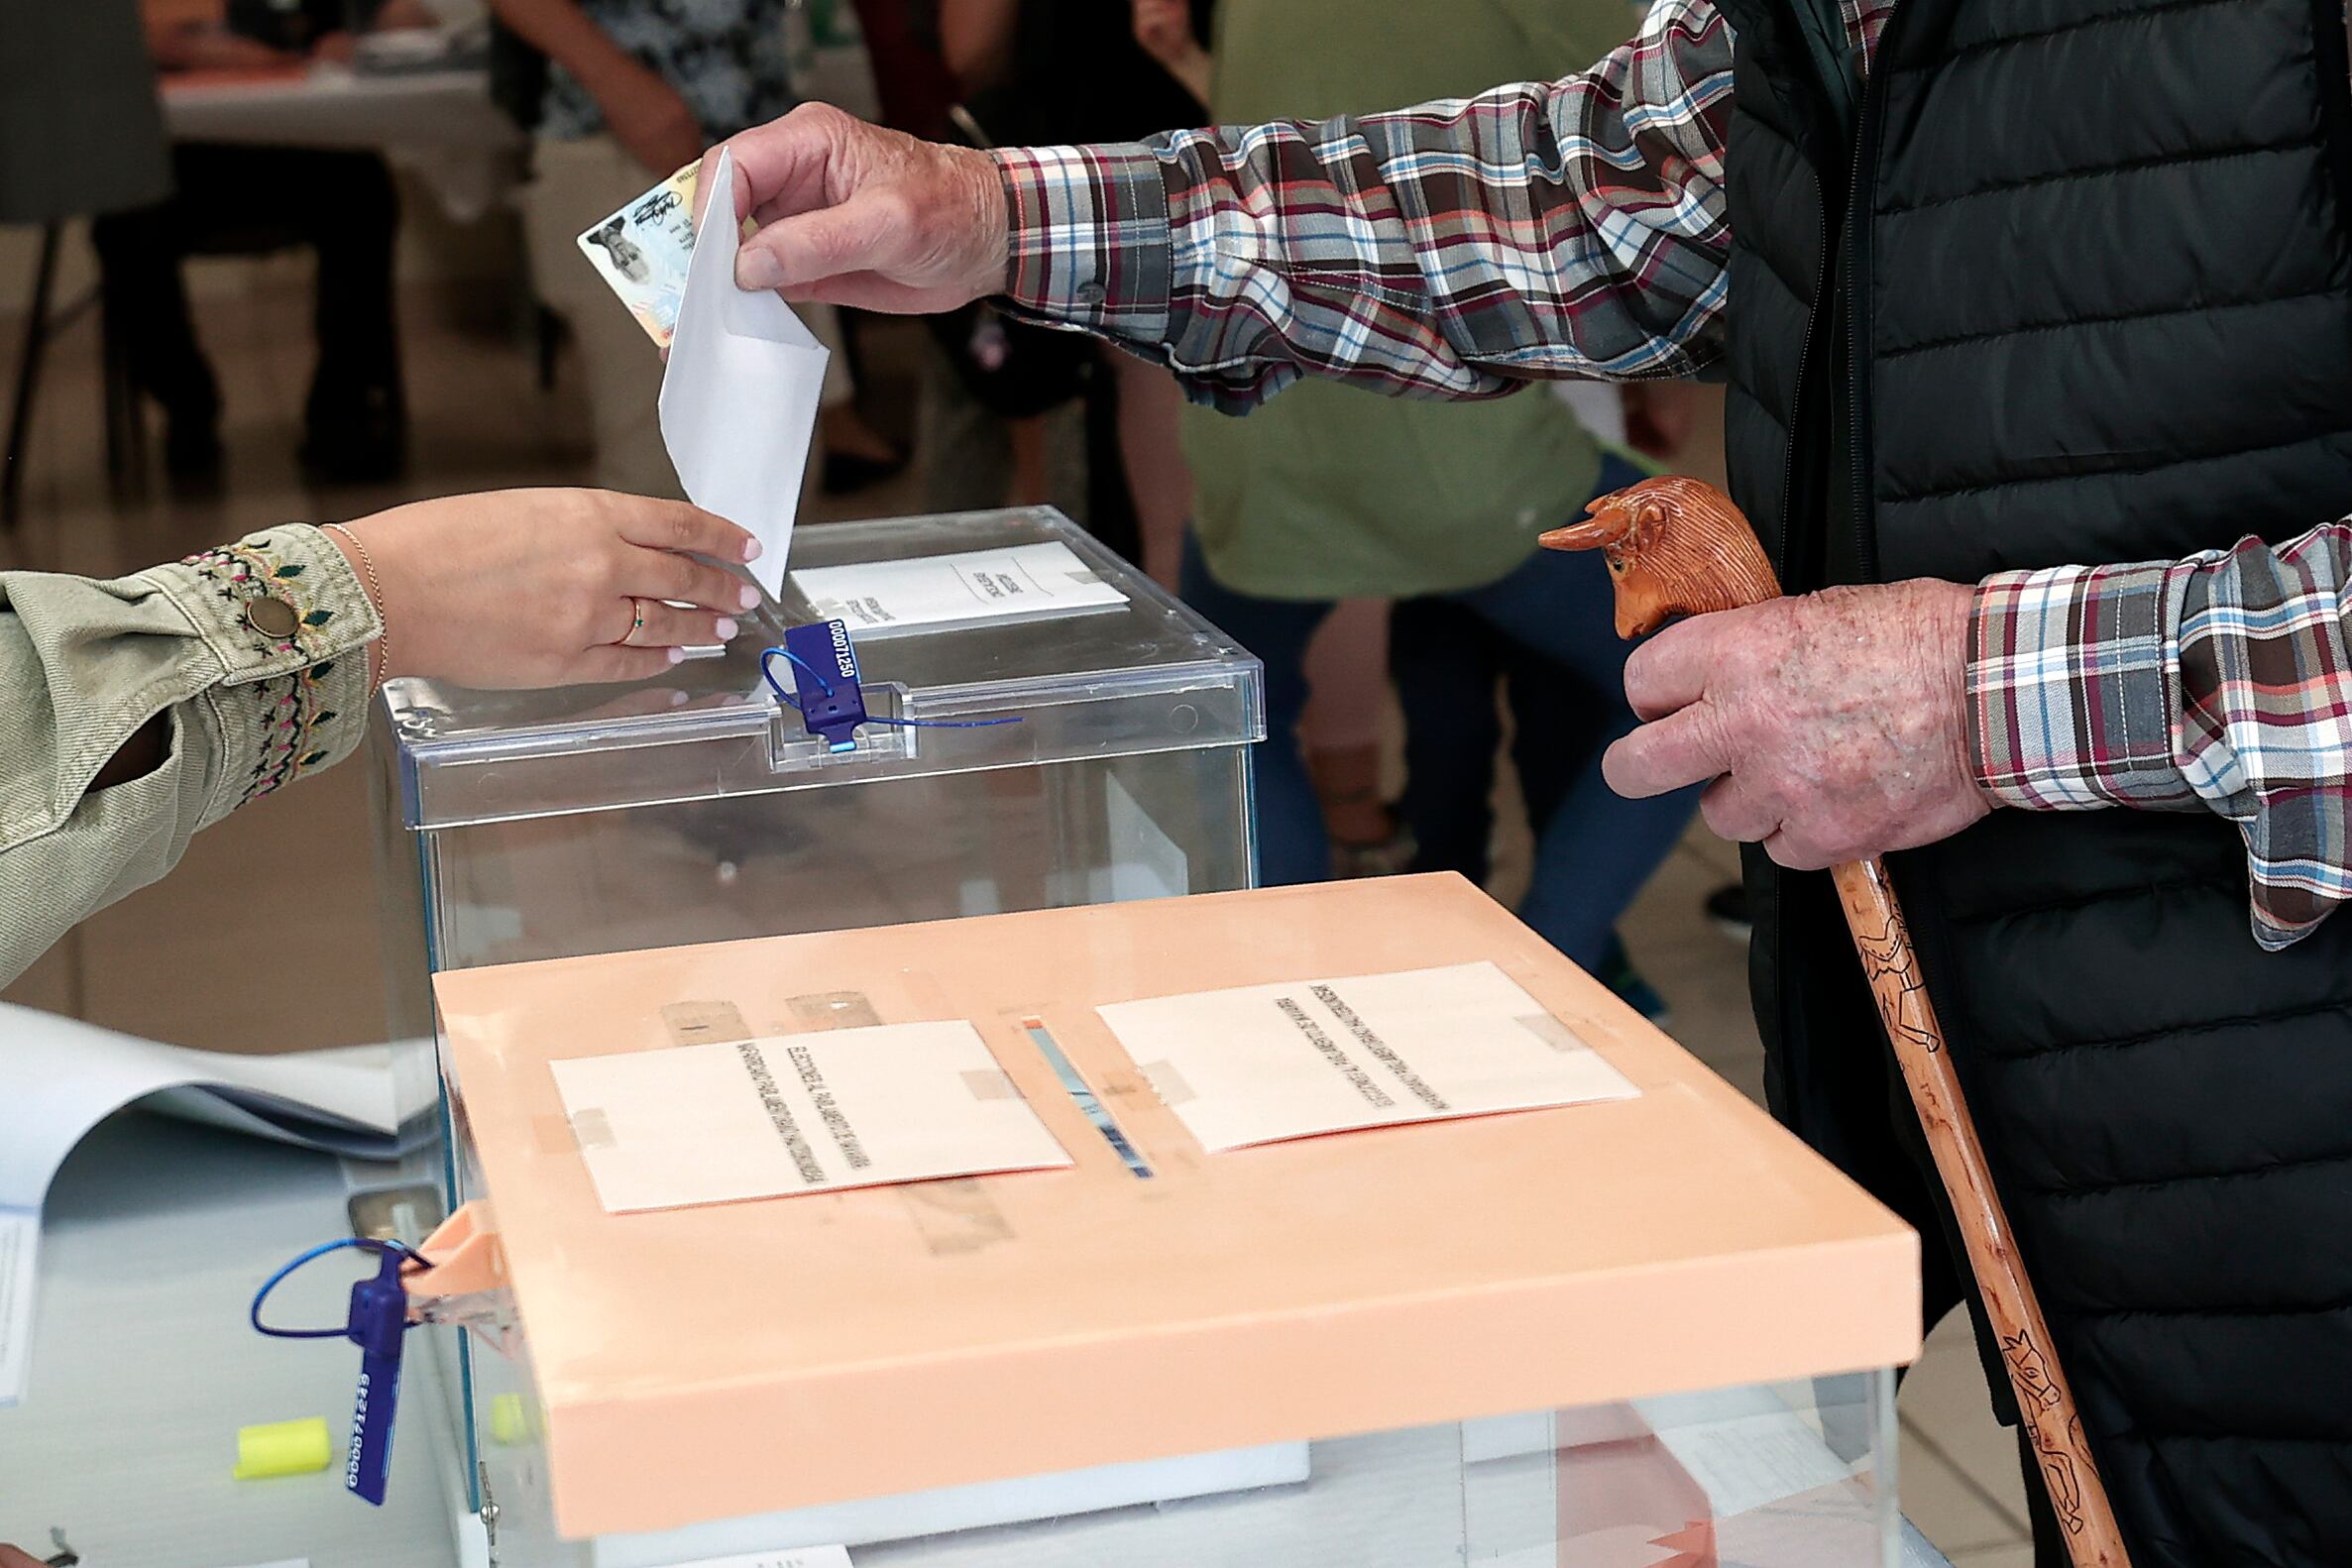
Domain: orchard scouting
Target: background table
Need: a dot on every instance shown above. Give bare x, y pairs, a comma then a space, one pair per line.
440, 124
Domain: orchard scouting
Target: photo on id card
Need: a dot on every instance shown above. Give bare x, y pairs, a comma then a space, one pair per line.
642, 251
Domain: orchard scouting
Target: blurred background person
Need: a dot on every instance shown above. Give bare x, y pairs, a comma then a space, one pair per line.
1072, 71
1323, 497
633, 92
1442, 648
341, 205
1345, 659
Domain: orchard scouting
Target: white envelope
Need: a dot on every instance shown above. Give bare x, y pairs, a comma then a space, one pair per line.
738, 401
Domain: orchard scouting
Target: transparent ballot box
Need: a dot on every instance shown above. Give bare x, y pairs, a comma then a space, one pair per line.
1344, 1225
1050, 729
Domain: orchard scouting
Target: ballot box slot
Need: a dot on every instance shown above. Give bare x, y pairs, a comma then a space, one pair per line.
1073, 1083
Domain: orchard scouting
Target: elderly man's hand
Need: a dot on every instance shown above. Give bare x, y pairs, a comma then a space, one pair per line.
1835, 726
853, 214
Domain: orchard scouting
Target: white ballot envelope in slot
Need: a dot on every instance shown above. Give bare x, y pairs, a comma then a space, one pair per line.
738, 401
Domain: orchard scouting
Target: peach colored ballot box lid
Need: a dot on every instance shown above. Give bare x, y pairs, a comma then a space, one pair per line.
705, 1363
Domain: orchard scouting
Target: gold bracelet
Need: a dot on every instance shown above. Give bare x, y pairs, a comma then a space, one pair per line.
380, 654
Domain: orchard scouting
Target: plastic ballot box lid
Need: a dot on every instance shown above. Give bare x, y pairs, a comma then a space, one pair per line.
1076, 655
706, 1361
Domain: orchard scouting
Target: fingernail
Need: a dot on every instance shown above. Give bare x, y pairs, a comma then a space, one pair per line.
726, 629
677, 655
752, 548
757, 270
748, 599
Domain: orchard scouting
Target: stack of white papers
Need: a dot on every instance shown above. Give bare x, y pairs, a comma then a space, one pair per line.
65, 1077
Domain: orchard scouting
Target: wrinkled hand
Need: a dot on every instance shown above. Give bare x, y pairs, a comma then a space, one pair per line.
1835, 726
652, 122
540, 587
853, 214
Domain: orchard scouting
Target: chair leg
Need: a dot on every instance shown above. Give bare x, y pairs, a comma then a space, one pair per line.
28, 380
126, 415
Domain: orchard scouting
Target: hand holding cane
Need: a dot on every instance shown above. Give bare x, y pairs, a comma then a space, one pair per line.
1679, 547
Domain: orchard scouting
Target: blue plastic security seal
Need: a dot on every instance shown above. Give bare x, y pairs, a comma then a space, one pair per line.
378, 1322
825, 682
825, 692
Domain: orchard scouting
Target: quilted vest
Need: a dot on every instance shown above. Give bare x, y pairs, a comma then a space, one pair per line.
2071, 281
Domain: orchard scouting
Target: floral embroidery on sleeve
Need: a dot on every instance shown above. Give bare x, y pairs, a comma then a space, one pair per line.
293, 722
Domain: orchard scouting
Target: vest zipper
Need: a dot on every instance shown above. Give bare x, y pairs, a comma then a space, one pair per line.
1857, 308
1784, 548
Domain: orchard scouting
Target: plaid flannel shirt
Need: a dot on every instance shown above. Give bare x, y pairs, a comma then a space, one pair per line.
1577, 229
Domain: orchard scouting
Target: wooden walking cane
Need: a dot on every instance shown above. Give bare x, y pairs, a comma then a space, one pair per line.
1679, 547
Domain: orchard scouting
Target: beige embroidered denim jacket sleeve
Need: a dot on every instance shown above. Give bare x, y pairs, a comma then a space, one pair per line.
253, 651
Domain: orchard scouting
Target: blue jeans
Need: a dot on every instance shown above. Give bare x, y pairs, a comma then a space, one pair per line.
1549, 626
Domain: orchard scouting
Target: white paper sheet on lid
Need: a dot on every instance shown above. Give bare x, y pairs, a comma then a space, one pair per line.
738, 401
1265, 1062
798, 1113
937, 592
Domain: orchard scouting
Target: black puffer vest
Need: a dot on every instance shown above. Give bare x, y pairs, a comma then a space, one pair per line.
2071, 281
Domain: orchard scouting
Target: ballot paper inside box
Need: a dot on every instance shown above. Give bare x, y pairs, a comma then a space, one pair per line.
1647, 1328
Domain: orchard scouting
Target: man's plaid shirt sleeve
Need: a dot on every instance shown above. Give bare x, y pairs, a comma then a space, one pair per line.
2223, 681
1578, 228
1455, 250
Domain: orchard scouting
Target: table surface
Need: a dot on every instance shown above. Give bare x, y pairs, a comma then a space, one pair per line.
157, 1233
335, 107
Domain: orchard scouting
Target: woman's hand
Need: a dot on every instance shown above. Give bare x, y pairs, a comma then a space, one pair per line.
546, 587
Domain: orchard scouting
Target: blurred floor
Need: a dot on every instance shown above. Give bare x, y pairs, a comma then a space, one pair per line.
267, 928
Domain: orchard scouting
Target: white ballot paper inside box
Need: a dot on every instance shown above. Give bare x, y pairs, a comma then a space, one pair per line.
798, 1113
738, 401
1265, 1062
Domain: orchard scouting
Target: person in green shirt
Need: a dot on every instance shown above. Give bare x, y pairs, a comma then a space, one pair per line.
1324, 494
137, 711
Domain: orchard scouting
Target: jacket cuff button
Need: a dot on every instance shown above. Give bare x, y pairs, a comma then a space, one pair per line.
272, 617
